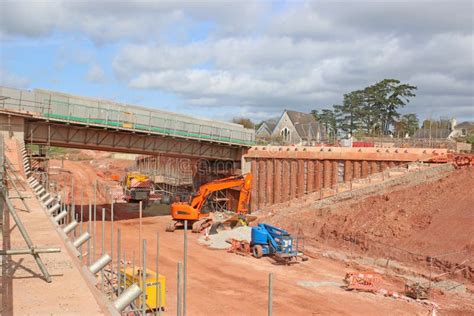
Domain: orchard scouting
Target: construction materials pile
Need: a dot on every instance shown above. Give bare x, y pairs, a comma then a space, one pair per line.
220, 240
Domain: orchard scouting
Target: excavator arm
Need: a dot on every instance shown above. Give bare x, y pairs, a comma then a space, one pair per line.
192, 211
244, 182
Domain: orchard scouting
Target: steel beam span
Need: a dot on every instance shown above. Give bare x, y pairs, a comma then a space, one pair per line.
119, 140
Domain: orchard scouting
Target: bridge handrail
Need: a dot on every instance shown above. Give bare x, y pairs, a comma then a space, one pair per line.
54, 109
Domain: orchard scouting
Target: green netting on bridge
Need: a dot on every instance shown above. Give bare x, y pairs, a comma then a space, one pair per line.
59, 106
142, 127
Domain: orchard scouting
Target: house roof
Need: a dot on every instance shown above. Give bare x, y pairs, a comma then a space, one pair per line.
305, 124
270, 125
264, 127
433, 133
467, 125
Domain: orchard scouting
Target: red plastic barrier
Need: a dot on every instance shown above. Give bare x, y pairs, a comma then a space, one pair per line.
363, 144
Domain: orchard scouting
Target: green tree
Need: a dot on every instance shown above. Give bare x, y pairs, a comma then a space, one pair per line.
408, 124
245, 122
374, 108
349, 113
315, 114
328, 120
387, 97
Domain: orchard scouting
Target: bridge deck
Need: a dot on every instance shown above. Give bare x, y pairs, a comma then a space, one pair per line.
50, 105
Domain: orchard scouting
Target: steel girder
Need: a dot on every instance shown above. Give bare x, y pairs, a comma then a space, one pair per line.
107, 139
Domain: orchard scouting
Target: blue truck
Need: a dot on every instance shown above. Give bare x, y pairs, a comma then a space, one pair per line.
268, 240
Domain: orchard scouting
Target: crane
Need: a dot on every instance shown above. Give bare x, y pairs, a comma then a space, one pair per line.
193, 211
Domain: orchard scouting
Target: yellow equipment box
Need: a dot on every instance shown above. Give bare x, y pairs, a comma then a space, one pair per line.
151, 286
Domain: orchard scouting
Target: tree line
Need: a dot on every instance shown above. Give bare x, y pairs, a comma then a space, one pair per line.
371, 111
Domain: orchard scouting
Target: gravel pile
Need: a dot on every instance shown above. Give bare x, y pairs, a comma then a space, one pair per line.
218, 241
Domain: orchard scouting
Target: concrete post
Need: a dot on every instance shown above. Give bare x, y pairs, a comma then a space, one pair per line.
277, 180
254, 195
262, 170
301, 175
318, 175
374, 167
356, 169
285, 181
334, 173
293, 178
365, 169
347, 170
310, 176
327, 174
270, 179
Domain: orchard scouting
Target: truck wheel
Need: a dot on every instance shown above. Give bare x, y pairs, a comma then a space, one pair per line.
257, 251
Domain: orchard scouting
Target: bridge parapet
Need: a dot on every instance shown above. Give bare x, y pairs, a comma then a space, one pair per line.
55, 106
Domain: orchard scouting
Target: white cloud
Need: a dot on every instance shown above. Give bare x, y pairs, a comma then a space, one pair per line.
264, 56
95, 74
11, 80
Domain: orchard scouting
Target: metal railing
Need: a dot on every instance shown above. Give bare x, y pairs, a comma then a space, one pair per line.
70, 109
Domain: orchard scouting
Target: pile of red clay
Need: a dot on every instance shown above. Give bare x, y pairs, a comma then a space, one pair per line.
410, 223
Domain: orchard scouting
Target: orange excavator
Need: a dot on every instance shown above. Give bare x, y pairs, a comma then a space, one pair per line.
195, 215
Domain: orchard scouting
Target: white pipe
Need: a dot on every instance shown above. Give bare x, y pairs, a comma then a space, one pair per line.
127, 297
70, 227
100, 263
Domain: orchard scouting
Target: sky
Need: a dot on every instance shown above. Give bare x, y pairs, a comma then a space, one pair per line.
225, 59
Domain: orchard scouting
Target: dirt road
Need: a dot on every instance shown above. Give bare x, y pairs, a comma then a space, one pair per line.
224, 283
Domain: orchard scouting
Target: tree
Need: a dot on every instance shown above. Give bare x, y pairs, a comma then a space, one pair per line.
386, 97
374, 108
408, 124
328, 120
349, 113
245, 122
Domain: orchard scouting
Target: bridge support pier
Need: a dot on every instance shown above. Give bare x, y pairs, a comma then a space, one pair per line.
327, 174
270, 180
348, 170
310, 176
278, 180
301, 190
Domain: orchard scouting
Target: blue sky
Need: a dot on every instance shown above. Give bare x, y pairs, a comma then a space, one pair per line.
249, 58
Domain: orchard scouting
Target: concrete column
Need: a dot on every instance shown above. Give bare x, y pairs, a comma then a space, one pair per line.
347, 170
293, 178
384, 165
262, 170
310, 176
365, 169
301, 175
270, 180
254, 196
334, 173
318, 175
391, 164
327, 173
374, 167
356, 169
277, 176
285, 181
